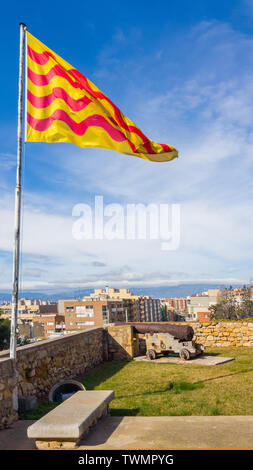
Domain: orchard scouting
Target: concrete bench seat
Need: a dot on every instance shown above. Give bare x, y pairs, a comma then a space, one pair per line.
65, 425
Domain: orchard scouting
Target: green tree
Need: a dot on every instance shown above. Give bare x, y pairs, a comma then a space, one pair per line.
23, 340
246, 305
5, 330
229, 308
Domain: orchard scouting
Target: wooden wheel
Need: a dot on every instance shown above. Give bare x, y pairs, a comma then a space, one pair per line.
184, 354
151, 354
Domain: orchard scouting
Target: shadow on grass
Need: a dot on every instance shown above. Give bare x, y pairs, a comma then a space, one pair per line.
124, 411
227, 375
105, 371
206, 354
173, 387
101, 373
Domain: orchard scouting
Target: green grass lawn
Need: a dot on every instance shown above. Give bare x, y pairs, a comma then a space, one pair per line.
160, 389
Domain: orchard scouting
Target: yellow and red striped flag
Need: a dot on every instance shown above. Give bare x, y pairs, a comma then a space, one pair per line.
64, 106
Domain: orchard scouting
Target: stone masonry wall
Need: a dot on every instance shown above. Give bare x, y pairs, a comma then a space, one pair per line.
41, 365
223, 334
120, 342
7, 383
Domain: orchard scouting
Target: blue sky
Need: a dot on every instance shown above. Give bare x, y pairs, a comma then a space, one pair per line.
183, 72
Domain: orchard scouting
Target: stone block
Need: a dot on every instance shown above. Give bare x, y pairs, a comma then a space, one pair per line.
50, 445
7, 394
72, 418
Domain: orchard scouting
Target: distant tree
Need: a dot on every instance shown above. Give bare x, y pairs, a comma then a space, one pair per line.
246, 305
23, 340
228, 308
5, 330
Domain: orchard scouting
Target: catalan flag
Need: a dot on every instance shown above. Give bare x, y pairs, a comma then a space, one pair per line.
64, 106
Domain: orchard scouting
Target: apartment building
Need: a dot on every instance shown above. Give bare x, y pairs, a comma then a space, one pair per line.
203, 317
111, 293
31, 330
49, 318
84, 314
171, 314
108, 305
238, 293
147, 309
136, 308
139, 308
198, 305
178, 304
27, 308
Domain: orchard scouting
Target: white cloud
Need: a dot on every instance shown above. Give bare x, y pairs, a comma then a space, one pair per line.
207, 114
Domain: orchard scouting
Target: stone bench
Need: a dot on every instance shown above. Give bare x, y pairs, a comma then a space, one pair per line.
67, 423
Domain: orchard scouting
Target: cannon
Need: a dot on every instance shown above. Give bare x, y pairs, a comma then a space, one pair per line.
165, 338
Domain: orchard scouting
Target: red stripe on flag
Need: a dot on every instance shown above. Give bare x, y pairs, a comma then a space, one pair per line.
166, 148
78, 128
40, 58
58, 93
57, 70
120, 121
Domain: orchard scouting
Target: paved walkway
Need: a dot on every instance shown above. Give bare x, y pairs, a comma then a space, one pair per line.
15, 438
199, 360
164, 432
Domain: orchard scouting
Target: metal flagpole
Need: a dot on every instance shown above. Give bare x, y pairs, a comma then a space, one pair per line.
15, 285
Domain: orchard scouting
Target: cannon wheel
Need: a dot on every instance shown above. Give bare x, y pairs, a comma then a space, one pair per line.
184, 354
151, 354
200, 351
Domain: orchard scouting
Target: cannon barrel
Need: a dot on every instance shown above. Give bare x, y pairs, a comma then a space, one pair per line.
183, 332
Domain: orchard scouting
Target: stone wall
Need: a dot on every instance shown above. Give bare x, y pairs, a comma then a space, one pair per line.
120, 342
7, 383
223, 334
41, 365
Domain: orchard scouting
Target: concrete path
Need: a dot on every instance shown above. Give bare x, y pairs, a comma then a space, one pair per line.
164, 432
199, 360
15, 437
172, 432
